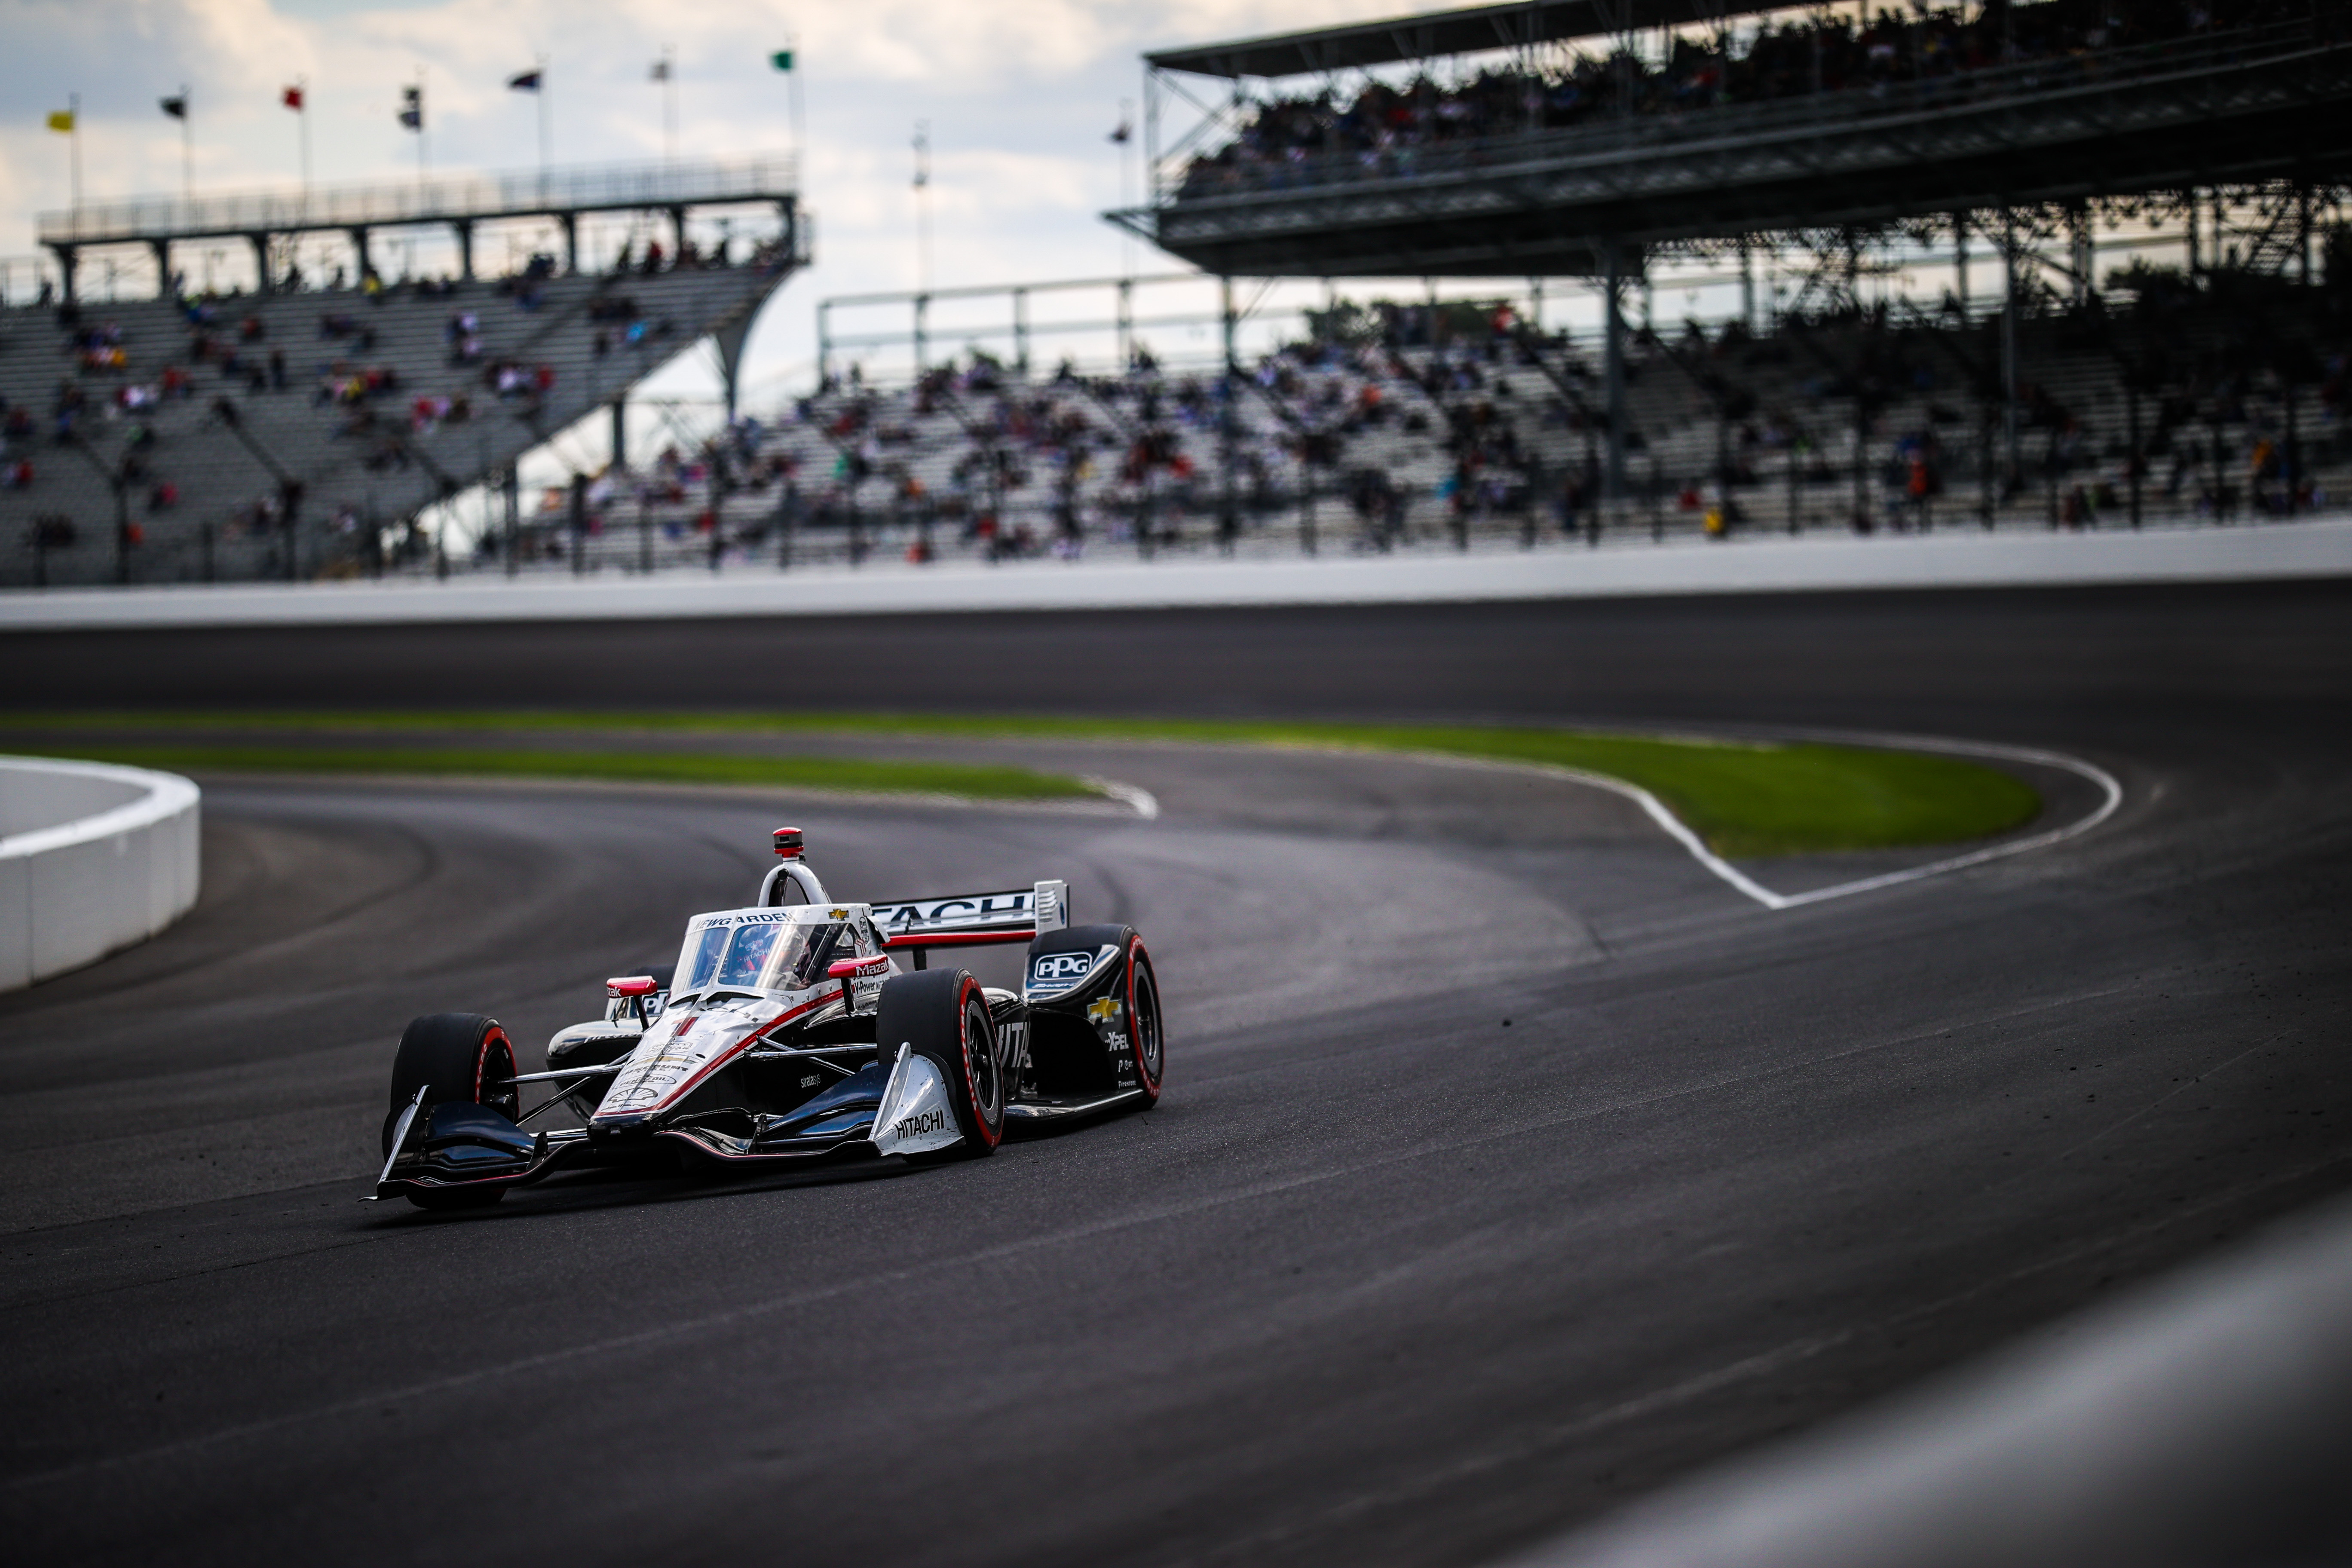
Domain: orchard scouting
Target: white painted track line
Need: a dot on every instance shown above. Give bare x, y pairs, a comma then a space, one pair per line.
2111, 791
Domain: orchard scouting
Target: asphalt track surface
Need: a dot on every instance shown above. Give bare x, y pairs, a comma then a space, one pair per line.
1382, 1279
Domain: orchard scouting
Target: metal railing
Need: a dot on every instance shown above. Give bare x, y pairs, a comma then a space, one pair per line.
1842, 112
466, 198
21, 277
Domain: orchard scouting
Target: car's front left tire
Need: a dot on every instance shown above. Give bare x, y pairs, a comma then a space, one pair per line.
942, 1013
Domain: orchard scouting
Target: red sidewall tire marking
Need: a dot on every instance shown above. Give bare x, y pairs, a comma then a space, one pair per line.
493, 1035
970, 988
1135, 1036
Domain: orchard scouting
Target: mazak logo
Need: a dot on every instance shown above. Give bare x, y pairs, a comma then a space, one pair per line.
921, 1122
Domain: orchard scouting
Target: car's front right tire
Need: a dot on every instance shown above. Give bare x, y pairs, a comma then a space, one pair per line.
461, 1057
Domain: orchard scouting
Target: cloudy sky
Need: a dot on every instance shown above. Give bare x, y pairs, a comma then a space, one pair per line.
1020, 96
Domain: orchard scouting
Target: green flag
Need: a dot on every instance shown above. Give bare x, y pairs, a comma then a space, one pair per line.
782, 59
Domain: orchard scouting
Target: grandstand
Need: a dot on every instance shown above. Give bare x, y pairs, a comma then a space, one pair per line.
1618, 144
295, 432
1458, 427
1498, 146
1605, 137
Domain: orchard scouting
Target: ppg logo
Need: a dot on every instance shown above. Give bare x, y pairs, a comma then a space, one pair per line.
1050, 971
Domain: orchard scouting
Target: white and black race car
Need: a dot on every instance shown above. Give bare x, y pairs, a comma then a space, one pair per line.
787, 1031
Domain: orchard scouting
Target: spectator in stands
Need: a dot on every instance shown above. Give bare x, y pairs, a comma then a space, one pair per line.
1382, 128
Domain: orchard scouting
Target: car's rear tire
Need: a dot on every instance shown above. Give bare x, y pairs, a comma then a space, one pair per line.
463, 1056
1146, 1033
1137, 985
942, 1013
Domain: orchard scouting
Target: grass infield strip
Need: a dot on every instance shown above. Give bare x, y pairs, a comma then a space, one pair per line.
1746, 799
855, 774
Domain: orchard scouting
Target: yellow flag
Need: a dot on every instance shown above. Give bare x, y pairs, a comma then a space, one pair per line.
61, 120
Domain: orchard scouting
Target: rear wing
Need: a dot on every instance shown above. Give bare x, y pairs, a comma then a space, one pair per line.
974, 919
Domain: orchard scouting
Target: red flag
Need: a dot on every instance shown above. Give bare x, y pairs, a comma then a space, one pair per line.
294, 98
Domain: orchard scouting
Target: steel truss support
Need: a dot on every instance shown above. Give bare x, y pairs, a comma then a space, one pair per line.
1228, 505
2009, 305
1613, 296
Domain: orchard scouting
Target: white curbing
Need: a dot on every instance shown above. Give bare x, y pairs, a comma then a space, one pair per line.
1957, 557
94, 857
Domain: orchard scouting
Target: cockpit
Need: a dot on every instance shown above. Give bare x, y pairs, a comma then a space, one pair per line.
746, 952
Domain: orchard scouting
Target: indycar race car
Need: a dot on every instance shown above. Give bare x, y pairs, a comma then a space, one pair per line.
788, 1032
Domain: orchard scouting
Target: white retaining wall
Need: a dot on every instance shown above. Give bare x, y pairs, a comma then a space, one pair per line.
92, 858
1110, 577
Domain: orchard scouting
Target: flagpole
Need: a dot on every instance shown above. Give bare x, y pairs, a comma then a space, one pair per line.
1126, 170
669, 103
800, 130
542, 126
73, 144
302, 117
187, 152
922, 207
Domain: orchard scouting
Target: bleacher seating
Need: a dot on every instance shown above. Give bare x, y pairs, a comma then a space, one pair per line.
1493, 439
1490, 438
375, 403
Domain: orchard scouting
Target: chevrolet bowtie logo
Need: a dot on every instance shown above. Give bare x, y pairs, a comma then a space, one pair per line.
1103, 1011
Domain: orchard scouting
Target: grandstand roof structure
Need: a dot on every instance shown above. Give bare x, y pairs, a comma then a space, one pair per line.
458, 204
2238, 106
1468, 31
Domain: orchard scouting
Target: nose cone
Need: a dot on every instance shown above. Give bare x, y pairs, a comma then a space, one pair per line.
674, 1056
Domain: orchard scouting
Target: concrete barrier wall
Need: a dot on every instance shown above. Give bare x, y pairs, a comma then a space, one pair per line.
2200, 1419
1111, 578
92, 858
